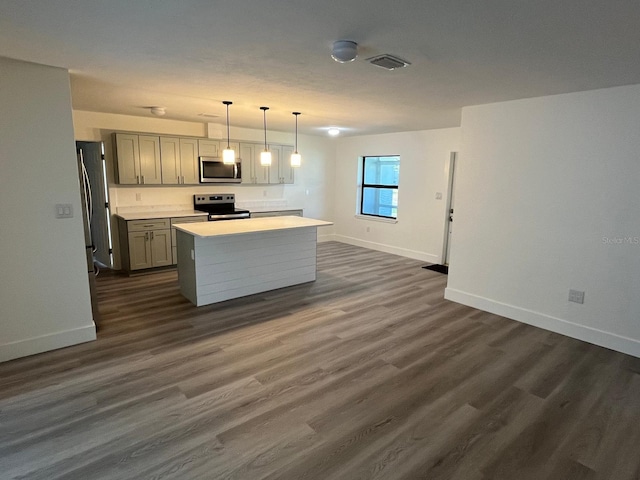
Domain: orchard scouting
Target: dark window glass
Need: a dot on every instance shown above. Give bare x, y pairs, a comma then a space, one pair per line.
380, 177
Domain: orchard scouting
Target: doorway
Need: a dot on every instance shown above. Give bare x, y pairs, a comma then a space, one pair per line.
448, 230
91, 155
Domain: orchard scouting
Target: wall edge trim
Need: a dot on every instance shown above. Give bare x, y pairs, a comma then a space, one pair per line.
584, 333
44, 343
382, 247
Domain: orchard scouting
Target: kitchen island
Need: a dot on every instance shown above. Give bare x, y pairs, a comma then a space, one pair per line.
218, 261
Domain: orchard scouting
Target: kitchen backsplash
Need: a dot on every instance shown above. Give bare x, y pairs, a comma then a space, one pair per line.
256, 205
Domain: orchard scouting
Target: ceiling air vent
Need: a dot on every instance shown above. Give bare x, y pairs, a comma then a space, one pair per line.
388, 62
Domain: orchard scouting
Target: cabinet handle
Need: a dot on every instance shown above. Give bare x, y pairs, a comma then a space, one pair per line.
142, 179
151, 235
146, 236
138, 179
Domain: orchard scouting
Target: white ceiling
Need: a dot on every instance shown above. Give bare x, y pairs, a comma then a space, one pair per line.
190, 55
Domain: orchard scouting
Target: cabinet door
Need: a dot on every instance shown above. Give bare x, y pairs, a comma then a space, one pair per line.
128, 159
160, 241
170, 156
286, 170
276, 160
247, 155
139, 250
189, 161
209, 148
150, 167
262, 174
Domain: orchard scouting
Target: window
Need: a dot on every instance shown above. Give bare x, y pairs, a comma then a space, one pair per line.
379, 196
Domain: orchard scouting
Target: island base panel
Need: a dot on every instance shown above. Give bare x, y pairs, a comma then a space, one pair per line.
231, 266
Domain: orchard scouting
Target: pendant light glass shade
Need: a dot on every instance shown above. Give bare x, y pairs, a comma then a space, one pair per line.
228, 155
265, 157
296, 158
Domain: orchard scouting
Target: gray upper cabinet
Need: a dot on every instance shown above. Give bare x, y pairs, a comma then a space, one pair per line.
138, 159
171, 160
287, 172
189, 161
280, 170
209, 148
150, 169
179, 159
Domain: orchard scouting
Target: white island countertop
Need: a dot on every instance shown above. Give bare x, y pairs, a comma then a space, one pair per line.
248, 225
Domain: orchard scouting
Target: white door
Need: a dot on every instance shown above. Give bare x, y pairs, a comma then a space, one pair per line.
451, 197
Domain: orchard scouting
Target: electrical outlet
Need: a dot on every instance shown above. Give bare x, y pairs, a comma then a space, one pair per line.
438, 195
138, 197
368, 229
576, 296
64, 210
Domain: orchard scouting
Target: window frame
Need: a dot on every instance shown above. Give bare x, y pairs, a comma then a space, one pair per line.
378, 186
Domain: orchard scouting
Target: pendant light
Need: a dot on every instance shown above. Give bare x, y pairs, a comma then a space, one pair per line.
296, 158
228, 155
265, 157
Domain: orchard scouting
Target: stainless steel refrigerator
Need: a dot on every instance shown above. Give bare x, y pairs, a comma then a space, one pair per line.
87, 197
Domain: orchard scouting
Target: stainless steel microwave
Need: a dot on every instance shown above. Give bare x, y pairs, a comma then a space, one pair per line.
214, 170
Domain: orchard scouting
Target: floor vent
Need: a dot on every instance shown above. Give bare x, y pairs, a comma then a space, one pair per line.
388, 62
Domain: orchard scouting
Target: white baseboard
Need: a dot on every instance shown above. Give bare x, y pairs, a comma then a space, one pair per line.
381, 247
609, 340
327, 238
44, 343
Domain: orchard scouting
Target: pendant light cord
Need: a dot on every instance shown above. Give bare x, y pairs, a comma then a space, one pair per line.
264, 111
228, 135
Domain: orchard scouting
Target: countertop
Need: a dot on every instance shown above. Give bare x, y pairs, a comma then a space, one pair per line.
248, 225
151, 214
160, 214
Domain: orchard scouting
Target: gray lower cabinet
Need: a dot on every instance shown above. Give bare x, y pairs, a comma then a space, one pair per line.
145, 243
174, 241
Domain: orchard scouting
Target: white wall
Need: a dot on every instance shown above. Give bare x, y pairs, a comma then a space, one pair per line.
424, 169
44, 299
542, 184
312, 190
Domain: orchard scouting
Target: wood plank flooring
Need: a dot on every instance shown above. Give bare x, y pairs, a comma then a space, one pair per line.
367, 373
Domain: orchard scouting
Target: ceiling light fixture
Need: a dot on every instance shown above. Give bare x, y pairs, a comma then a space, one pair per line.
265, 156
228, 155
344, 51
296, 158
158, 111
333, 131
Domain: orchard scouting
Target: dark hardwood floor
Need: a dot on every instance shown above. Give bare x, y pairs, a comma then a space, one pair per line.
366, 373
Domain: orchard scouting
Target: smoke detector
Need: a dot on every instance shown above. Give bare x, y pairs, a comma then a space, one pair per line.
344, 51
388, 62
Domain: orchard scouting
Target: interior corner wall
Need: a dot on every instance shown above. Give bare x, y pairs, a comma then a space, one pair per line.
424, 171
547, 200
44, 300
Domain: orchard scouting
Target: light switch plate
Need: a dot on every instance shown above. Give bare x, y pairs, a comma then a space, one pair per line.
64, 210
438, 195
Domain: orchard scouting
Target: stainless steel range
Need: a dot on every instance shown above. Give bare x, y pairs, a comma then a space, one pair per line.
219, 206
